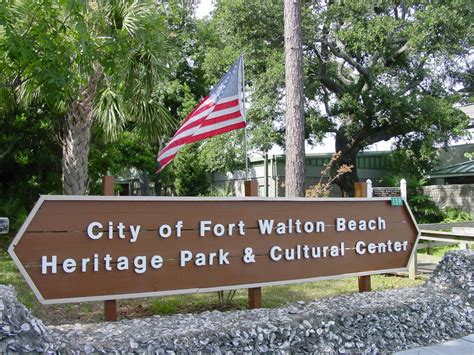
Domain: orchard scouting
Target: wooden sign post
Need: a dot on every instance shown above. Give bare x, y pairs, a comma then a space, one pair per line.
364, 281
110, 306
90, 248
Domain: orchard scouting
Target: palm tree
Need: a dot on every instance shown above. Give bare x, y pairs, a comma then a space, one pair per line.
99, 61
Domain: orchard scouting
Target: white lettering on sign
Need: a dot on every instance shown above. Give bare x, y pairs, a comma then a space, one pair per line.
156, 261
94, 231
139, 262
266, 226
362, 225
306, 252
107, 260
90, 230
134, 230
203, 259
165, 230
52, 264
219, 229
119, 230
383, 247
70, 265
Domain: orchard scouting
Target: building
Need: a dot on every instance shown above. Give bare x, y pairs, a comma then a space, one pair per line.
269, 171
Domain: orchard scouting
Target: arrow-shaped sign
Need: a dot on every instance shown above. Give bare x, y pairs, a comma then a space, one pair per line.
73, 249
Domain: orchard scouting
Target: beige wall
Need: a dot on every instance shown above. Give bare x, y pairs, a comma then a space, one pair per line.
458, 196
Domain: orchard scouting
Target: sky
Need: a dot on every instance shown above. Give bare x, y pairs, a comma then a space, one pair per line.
204, 8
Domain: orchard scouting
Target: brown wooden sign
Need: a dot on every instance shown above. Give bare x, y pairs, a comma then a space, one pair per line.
95, 248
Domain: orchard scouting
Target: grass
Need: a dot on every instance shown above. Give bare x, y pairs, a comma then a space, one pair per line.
278, 296
9, 274
272, 296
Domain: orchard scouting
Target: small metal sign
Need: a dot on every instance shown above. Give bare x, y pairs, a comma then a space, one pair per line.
396, 201
4, 225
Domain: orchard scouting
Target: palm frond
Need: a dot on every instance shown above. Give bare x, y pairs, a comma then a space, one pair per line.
152, 119
143, 69
125, 14
109, 113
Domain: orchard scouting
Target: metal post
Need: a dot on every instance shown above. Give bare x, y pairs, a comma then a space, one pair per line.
255, 293
361, 190
245, 118
265, 168
110, 306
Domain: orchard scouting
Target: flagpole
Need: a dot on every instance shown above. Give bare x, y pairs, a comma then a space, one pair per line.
245, 120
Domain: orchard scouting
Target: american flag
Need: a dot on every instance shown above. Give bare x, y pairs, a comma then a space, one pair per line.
219, 112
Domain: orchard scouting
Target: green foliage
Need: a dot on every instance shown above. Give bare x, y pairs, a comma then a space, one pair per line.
254, 29
438, 252
54, 51
425, 210
190, 41
15, 210
423, 207
412, 161
128, 152
29, 158
42, 42
191, 178
223, 153
413, 182
453, 215
224, 191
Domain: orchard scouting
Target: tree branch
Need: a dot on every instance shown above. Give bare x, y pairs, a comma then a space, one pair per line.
402, 49
9, 150
416, 80
341, 76
17, 81
341, 53
324, 78
33, 18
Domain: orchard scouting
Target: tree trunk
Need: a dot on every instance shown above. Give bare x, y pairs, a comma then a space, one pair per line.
349, 157
295, 152
76, 138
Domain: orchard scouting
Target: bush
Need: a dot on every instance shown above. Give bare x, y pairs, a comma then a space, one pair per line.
452, 215
191, 177
424, 209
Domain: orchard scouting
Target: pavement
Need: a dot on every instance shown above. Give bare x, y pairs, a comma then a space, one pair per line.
458, 346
